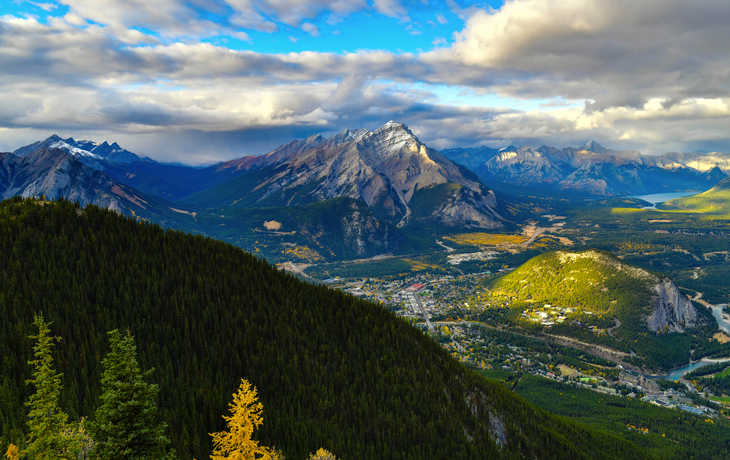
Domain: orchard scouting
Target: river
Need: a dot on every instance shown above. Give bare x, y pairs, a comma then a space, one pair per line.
721, 321
724, 324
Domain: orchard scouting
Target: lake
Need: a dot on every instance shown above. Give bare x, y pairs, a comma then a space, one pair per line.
655, 198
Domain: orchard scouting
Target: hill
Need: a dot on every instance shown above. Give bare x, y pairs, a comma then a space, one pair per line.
594, 296
714, 202
331, 370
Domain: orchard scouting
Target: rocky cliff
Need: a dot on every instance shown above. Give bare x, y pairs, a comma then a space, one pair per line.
674, 312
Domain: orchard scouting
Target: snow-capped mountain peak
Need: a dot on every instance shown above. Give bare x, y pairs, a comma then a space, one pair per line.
75, 151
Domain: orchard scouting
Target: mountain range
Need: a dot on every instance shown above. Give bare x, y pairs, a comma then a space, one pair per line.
592, 169
356, 194
398, 177
363, 186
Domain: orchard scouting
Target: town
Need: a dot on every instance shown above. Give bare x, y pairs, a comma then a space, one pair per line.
439, 305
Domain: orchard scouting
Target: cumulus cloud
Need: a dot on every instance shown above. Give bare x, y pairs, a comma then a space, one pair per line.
615, 52
650, 75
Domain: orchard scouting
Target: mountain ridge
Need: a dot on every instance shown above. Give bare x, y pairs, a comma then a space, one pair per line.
595, 170
384, 168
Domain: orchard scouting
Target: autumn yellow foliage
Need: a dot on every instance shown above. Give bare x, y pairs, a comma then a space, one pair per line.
486, 239
246, 415
322, 454
302, 252
12, 453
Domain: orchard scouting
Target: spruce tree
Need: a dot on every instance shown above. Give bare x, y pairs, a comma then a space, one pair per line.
126, 425
48, 438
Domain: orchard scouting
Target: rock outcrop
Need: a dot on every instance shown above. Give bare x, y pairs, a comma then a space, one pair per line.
674, 312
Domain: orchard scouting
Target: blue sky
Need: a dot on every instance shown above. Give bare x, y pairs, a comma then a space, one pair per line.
208, 80
427, 22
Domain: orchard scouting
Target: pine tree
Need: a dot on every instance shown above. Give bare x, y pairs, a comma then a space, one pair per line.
126, 427
48, 437
237, 442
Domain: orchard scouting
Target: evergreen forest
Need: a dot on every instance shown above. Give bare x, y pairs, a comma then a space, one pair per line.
331, 371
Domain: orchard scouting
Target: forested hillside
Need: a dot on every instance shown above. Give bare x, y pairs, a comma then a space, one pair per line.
608, 302
332, 371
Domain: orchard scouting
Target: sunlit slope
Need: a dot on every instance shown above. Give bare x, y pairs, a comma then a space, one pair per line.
595, 291
714, 202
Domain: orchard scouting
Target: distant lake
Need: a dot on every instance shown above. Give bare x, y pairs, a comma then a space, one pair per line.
655, 198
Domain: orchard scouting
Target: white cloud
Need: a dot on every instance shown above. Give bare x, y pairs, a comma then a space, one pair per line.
651, 78
411, 29
311, 29
45, 6
617, 52
441, 19
391, 8
181, 18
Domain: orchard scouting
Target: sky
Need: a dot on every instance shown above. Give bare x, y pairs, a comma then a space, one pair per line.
201, 81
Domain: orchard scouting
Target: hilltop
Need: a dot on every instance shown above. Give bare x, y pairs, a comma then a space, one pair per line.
594, 296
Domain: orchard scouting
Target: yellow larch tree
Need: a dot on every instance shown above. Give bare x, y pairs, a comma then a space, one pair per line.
322, 454
246, 415
13, 453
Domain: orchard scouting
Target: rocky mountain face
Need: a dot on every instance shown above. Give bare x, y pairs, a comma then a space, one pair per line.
398, 177
54, 173
595, 170
674, 312
332, 198
88, 152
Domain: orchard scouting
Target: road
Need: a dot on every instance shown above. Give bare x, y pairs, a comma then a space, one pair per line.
423, 313
538, 231
610, 329
448, 249
596, 350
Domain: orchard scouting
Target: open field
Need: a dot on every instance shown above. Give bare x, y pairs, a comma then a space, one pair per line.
566, 371
721, 399
721, 337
